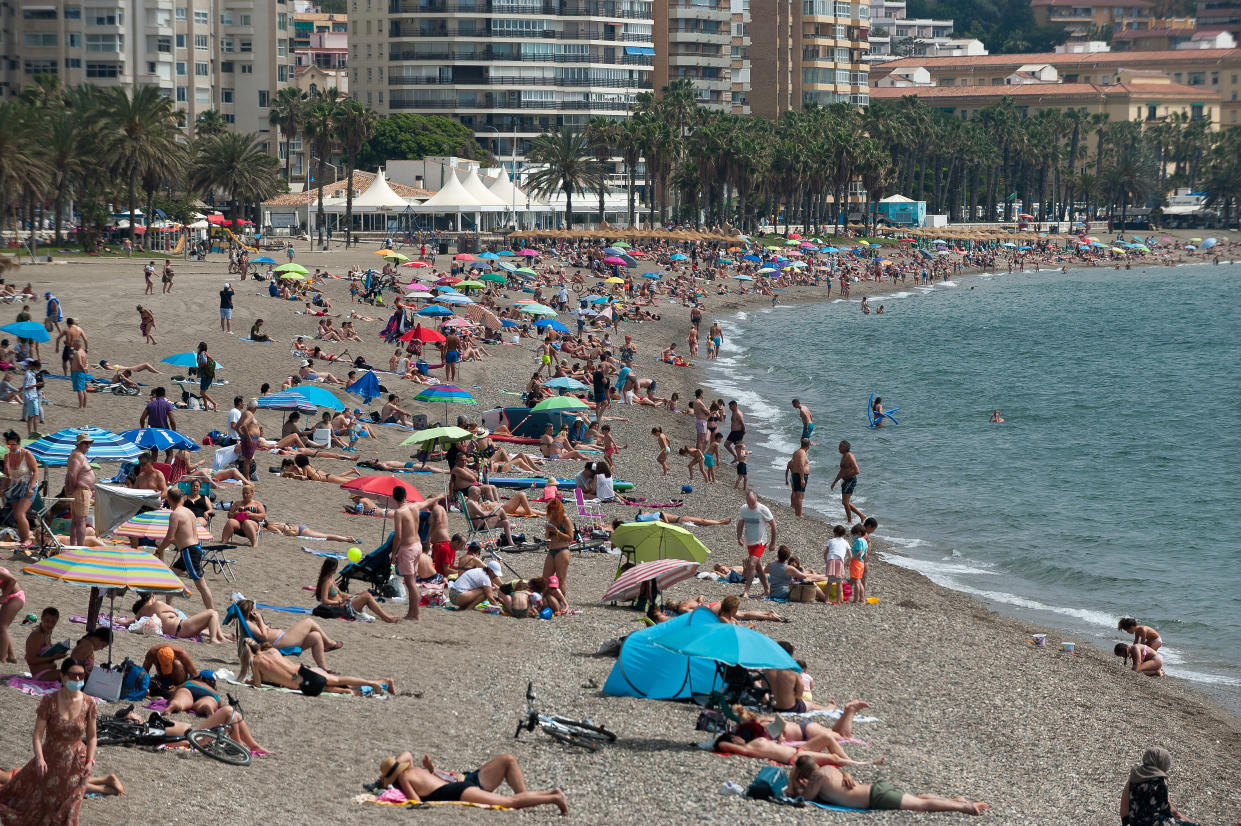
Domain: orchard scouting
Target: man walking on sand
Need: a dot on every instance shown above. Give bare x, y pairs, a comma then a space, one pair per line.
226, 308
183, 533
807, 419
701, 416
799, 467
847, 476
79, 486
408, 545
752, 534
78, 374
736, 429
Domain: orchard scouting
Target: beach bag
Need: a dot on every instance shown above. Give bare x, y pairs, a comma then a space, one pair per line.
332, 611
711, 720
136, 682
769, 784
802, 592
104, 684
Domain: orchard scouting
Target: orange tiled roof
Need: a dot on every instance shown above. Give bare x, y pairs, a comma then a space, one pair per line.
361, 180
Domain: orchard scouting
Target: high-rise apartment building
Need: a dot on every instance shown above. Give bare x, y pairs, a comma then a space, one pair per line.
739, 13
807, 51
507, 69
227, 55
693, 41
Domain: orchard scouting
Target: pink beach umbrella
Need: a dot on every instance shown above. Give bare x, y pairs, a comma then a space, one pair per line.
615, 261
529, 253
414, 285
665, 572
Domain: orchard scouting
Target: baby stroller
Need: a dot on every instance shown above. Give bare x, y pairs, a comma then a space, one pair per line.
375, 569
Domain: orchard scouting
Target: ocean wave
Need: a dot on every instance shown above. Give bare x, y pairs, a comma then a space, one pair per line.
1199, 677
927, 567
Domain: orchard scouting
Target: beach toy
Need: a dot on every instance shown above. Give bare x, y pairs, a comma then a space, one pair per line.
872, 418
1038, 639
687, 488
355, 555
1068, 647
872, 600
546, 613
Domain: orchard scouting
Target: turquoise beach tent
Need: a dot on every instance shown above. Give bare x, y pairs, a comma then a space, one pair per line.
645, 670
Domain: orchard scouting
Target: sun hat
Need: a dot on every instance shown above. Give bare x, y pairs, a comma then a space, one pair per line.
389, 768
85, 439
495, 568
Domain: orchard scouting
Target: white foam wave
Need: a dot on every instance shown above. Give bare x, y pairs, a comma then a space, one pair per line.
902, 541
949, 283
1199, 677
927, 566
902, 294
742, 315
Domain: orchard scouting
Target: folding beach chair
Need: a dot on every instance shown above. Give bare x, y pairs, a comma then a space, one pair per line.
476, 529
214, 555
233, 614
581, 506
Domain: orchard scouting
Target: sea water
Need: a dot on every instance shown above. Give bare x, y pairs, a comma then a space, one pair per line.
1111, 489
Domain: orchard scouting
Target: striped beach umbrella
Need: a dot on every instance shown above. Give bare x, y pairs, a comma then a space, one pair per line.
159, 437
154, 525
446, 393
110, 567
665, 572
286, 400
54, 450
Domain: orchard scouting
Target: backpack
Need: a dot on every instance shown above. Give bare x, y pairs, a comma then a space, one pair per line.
136, 682
713, 721
771, 784
207, 370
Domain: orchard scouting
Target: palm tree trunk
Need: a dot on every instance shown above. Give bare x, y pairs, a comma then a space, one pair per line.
568, 208
349, 202
631, 178
288, 154
319, 210
59, 204
131, 196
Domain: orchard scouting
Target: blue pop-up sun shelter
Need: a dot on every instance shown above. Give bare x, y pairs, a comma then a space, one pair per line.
643, 669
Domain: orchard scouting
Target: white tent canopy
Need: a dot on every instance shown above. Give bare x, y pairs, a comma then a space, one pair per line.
504, 189
379, 197
483, 196
452, 197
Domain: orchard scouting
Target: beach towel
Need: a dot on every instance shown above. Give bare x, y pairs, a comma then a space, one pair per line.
393, 797
288, 609
321, 552
35, 688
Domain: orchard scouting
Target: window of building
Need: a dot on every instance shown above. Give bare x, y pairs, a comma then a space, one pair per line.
229, 117
73, 63
104, 17
381, 98
246, 46
247, 69
282, 73
244, 20
104, 42
282, 21
180, 15
226, 66
201, 69
226, 95
180, 41
262, 98
163, 44
226, 45
200, 17
103, 69
73, 12
200, 42
38, 14
181, 68
202, 95
151, 68
282, 48
182, 94
41, 67
226, 18
1214, 78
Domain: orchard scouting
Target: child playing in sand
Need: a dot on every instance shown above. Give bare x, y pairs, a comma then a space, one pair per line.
1142, 634
834, 560
695, 461
711, 456
664, 448
743, 479
857, 564
609, 444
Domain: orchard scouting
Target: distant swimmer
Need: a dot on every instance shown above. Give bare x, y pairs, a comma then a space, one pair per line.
865, 306
996, 418
879, 310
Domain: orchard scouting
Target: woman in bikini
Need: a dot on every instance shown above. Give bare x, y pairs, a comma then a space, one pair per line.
559, 530
244, 517
289, 529
1143, 634
267, 666
304, 634
177, 624
302, 469
42, 653
12, 601
21, 479
1146, 660
333, 603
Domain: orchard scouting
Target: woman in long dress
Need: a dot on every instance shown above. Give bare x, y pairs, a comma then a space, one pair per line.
49, 789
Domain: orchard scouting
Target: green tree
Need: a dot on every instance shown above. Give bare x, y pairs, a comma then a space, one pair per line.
602, 134
22, 165
140, 138
565, 164
407, 136
209, 124
239, 166
354, 124
288, 114
322, 131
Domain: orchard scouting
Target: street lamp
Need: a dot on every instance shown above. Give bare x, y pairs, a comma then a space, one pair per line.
512, 182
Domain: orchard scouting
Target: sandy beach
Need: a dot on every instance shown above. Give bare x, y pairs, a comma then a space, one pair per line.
965, 705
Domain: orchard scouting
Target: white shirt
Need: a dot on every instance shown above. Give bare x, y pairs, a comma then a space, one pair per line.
234, 416
837, 548
604, 489
472, 579
755, 520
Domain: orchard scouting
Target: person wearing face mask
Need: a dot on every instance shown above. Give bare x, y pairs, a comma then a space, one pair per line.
50, 788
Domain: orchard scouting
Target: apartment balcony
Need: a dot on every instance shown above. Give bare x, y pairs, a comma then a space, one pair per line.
698, 36
413, 29
548, 8
714, 61
402, 104
637, 61
518, 81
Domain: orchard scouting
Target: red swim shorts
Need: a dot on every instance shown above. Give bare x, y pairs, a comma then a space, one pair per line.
756, 551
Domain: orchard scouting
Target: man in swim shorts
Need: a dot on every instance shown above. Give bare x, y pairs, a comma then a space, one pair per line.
847, 476
452, 355
736, 429
424, 784
752, 533
807, 419
828, 784
77, 360
408, 544
799, 468
183, 534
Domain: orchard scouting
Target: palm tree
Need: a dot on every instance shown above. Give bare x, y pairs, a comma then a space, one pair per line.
566, 165
66, 148
140, 138
355, 123
209, 124
321, 132
629, 142
22, 165
877, 174
602, 134
288, 114
239, 165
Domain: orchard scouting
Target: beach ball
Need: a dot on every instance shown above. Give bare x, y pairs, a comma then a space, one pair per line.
354, 554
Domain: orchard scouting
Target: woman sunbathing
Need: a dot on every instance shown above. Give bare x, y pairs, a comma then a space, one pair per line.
267, 666
177, 624
334, 603
809, 737
504, 462
300, 468
190, 471
516, 505
770, 750
286, 529
727, 610
384, 464
303, 634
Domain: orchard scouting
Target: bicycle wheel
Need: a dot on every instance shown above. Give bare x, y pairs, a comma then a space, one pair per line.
220, 747
579, 734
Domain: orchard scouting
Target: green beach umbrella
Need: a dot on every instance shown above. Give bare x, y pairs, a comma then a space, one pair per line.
561, 403
494, 277
435, 436
291, 267
469, 285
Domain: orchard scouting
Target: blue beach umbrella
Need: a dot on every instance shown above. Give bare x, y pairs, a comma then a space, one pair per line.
830, 250
565, 383
318, 396
187, 359
678, 256
367, 387
743, 278
731, 645
29, 330
490, 255
455, 298
544, 323
262, 259
507, 253
750, 258
107, 446
598, 299
435, 310
654, 275
159, 437
613, 251
507, 267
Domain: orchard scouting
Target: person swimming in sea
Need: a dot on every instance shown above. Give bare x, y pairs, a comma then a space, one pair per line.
876, 409
996, 418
